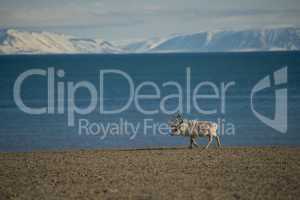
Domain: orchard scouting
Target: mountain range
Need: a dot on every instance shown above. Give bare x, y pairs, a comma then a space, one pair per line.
14, 41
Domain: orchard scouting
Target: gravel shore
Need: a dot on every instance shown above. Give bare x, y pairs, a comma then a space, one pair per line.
170, 173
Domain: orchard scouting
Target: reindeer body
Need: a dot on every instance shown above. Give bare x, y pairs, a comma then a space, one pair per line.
194, 129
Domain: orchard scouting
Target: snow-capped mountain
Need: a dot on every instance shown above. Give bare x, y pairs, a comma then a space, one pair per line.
145, 45
270, 39
17, 42
13, 41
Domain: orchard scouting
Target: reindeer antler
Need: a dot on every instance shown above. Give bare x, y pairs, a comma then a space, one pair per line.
179, 115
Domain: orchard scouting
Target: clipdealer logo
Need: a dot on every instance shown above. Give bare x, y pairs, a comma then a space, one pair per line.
280, 78
59, 90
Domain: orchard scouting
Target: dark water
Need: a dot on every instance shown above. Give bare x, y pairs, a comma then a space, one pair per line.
20, 131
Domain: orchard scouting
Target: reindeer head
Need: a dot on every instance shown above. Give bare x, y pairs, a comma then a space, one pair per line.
175, 124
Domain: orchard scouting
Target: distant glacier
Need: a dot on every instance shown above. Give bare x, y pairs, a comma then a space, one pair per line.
14, 41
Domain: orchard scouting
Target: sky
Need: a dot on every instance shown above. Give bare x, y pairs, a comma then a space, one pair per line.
139, 19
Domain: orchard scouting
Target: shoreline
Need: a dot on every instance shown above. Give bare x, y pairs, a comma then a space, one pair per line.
150, 148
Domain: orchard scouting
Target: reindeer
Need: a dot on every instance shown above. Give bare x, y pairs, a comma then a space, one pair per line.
194, 129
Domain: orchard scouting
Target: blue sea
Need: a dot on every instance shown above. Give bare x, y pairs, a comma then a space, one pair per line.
219, 89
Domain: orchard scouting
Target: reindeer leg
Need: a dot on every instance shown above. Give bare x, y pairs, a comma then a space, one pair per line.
209, 141
218, 141
195, 143
191, 143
